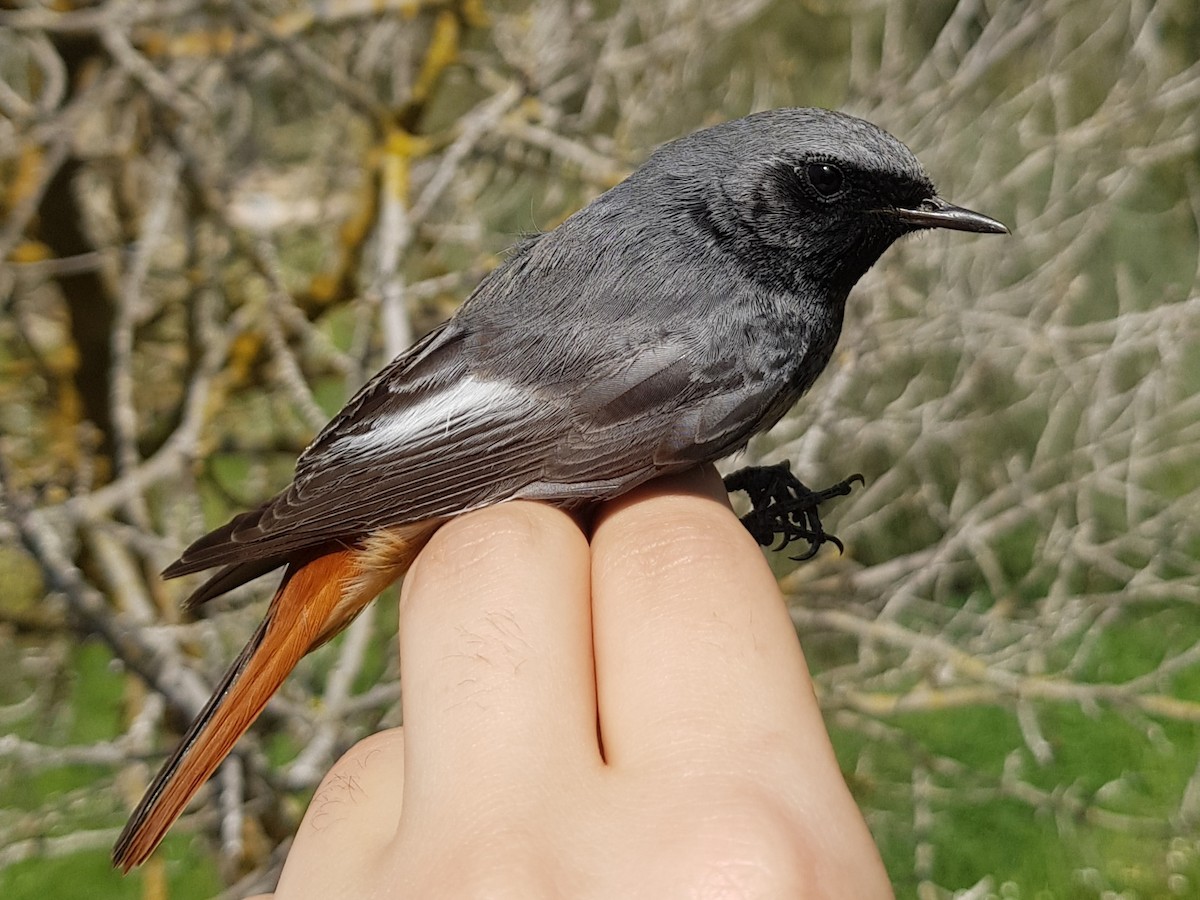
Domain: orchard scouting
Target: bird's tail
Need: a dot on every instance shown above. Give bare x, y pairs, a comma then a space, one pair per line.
314, 602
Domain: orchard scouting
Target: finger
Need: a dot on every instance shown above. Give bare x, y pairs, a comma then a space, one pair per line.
352, 818
495, 654
695, 651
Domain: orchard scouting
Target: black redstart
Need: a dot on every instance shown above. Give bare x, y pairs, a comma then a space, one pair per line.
658, 328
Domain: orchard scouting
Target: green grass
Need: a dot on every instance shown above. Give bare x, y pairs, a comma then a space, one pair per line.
977, 829
190, 875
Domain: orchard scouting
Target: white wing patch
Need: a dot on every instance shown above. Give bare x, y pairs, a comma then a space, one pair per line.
430, 420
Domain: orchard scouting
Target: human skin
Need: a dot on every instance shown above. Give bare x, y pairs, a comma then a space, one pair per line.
625, 717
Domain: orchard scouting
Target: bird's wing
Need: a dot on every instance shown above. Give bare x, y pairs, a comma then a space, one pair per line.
438, 433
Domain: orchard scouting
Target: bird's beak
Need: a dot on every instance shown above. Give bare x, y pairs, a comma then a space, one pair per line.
937, 213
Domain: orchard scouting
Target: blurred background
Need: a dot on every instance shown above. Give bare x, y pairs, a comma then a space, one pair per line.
217, 219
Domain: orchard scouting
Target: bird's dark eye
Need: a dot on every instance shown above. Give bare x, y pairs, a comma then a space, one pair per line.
826, 179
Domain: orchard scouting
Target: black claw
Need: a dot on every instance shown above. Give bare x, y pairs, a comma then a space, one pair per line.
813, 547
781, 505
837, 542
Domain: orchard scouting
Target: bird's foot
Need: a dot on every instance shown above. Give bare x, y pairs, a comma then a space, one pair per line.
782, 505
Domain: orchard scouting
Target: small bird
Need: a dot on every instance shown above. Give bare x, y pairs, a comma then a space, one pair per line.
658, 328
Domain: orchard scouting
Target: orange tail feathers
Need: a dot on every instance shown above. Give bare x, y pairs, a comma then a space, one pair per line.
315, 601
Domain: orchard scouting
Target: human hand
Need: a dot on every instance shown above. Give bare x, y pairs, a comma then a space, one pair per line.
628, 719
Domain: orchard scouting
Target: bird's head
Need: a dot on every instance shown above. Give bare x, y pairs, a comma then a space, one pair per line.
817, 193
